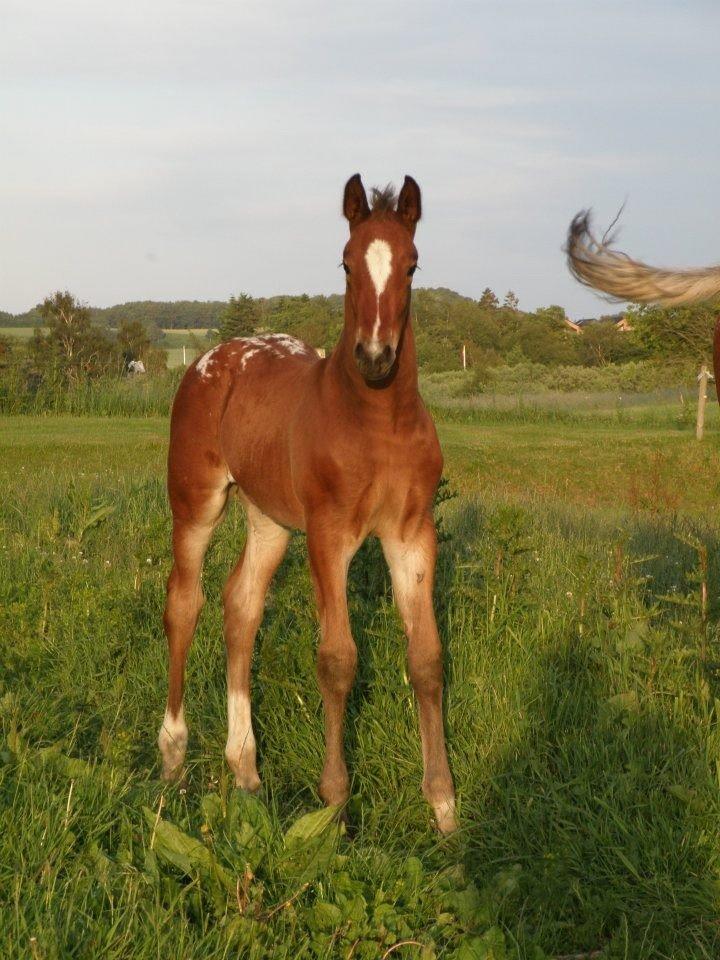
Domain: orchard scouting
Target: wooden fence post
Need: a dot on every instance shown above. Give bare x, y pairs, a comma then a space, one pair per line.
703, 377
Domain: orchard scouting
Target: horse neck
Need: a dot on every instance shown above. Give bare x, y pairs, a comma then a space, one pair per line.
399, 397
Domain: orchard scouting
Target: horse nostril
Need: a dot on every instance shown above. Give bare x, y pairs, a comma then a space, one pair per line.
359, 351
387, 354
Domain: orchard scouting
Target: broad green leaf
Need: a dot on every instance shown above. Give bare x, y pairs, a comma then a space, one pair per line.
324, 917
507, 879
490, 946
466, 905
95, 517
102, 865
621, 702
175, 847
310, 826
211, 806
248, 828
310, 844
184, 852
355, 910
246, 808
68, 766
634, 639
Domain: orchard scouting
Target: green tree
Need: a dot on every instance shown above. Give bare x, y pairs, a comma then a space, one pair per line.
511, 301
601, 343
240, 318
133, 340
73, 348
674, 332
544, 337
488, 300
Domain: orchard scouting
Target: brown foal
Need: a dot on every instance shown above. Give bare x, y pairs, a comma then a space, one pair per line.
341, 448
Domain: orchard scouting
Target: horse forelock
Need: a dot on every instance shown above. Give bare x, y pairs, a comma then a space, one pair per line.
383, 199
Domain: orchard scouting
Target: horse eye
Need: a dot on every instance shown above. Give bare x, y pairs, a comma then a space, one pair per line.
345, 267
412, 270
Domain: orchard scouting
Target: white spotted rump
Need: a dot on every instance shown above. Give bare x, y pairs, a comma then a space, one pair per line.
378, 258
205, 360
240, 350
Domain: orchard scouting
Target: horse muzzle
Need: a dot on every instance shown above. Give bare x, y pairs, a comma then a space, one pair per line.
374, 359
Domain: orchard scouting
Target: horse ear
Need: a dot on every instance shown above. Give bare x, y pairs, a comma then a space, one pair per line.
355, 204
409, 205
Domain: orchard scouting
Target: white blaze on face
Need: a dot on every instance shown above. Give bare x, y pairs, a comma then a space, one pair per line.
378, 258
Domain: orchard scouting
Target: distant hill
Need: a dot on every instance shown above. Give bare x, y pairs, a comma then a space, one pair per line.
168, 314
30, 318
192, 314
450, 329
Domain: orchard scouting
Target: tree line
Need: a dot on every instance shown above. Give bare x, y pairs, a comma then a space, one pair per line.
74, 342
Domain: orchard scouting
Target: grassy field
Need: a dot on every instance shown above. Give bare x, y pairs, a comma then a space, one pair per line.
582, 713
173, 342
24, 333
194, 342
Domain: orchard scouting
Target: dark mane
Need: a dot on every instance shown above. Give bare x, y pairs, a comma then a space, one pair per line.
383, 199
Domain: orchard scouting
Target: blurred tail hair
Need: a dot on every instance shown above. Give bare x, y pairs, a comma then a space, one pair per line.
595, 264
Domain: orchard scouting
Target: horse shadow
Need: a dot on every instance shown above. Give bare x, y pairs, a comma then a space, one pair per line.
587, 822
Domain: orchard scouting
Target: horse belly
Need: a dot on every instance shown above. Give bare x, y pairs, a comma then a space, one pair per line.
254, 438
262, 476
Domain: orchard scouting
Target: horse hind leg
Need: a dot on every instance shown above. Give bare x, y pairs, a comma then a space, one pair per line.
193, 525
244, 601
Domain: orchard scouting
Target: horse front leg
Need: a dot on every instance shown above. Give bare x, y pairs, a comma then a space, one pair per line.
412, 567
337, 655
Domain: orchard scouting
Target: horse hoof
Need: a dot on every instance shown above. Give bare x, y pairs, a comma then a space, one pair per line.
248, 784
445, 817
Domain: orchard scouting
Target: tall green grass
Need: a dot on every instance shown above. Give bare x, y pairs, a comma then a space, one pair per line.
446, 396
582, 707
138, 396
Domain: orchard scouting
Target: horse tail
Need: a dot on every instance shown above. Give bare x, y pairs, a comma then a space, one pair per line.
595, 264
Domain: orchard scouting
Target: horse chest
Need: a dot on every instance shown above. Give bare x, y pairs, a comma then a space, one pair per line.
380, 487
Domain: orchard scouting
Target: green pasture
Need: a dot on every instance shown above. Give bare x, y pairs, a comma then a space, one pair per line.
582, 711
23, 333
194, 342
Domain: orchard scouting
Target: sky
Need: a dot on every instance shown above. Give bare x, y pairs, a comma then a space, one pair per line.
183, 150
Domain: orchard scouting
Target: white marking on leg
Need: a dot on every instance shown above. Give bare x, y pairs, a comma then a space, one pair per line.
240, 747
445, 815
172, 741
378, 258
409, 565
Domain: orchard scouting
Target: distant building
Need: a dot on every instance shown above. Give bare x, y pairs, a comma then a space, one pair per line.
621, 323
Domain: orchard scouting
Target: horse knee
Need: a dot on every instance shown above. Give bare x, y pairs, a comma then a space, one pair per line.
336, 667
242, 608
426, 672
